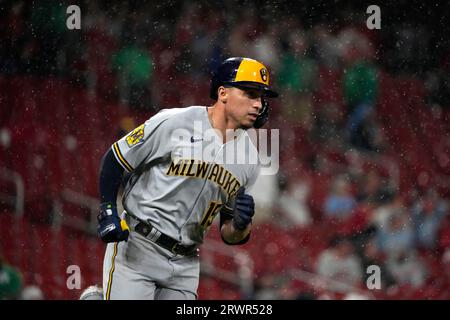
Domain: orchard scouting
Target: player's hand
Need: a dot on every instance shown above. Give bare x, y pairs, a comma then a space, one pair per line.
110, 227
244, 209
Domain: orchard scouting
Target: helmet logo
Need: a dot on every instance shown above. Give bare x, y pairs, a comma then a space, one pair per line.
263, 73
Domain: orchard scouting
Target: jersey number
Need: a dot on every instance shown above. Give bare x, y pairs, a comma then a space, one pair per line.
210, 214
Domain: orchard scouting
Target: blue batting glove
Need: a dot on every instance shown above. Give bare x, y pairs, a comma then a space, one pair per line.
110, 227
244, 209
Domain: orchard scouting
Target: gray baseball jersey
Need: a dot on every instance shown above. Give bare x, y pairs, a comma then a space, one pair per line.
183, 173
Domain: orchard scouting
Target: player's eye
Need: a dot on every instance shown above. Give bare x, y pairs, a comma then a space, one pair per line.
253, 94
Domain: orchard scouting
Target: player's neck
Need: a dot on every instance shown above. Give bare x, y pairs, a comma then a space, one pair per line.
219, 121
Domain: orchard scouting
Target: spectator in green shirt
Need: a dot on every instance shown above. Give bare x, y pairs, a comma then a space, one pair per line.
360, 84
297, 76
298, 72
134, 69
10, 282
360, 89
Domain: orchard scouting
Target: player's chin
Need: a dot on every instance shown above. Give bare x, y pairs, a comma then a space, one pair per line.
247, 124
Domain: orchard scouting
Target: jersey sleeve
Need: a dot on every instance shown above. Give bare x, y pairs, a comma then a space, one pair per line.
145, 143
252, 178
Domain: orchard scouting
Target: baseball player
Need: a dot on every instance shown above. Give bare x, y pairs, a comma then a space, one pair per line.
176, 189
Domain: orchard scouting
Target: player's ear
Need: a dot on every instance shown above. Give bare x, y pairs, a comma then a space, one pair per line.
222, 94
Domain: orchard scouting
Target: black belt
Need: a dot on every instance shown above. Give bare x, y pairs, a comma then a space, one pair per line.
165, 241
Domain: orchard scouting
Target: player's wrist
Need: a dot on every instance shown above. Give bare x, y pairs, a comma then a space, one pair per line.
107, 205
232, 235
107, 209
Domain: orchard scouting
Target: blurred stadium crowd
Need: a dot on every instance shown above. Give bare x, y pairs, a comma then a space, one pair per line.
364, 120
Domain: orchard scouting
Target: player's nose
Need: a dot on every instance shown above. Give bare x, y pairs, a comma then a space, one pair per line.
257, 104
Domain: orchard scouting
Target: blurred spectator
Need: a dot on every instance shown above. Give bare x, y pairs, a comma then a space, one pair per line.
244, 33
360, 87
428, 214
397, 235
305, 295
126, 125
392, 202
366, 133
372, 256
48, 25
5, 138
407, 49
446, 268
407, 268
444, 237
356, 296
297, 76
134, 70
373, 189
328, 127
437, 83
266, 47
32, 292
292, 202
340, 201
298, 109
10, 281
11, 36
325, 47
340, 263
298, 72
369, 187
269, 287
